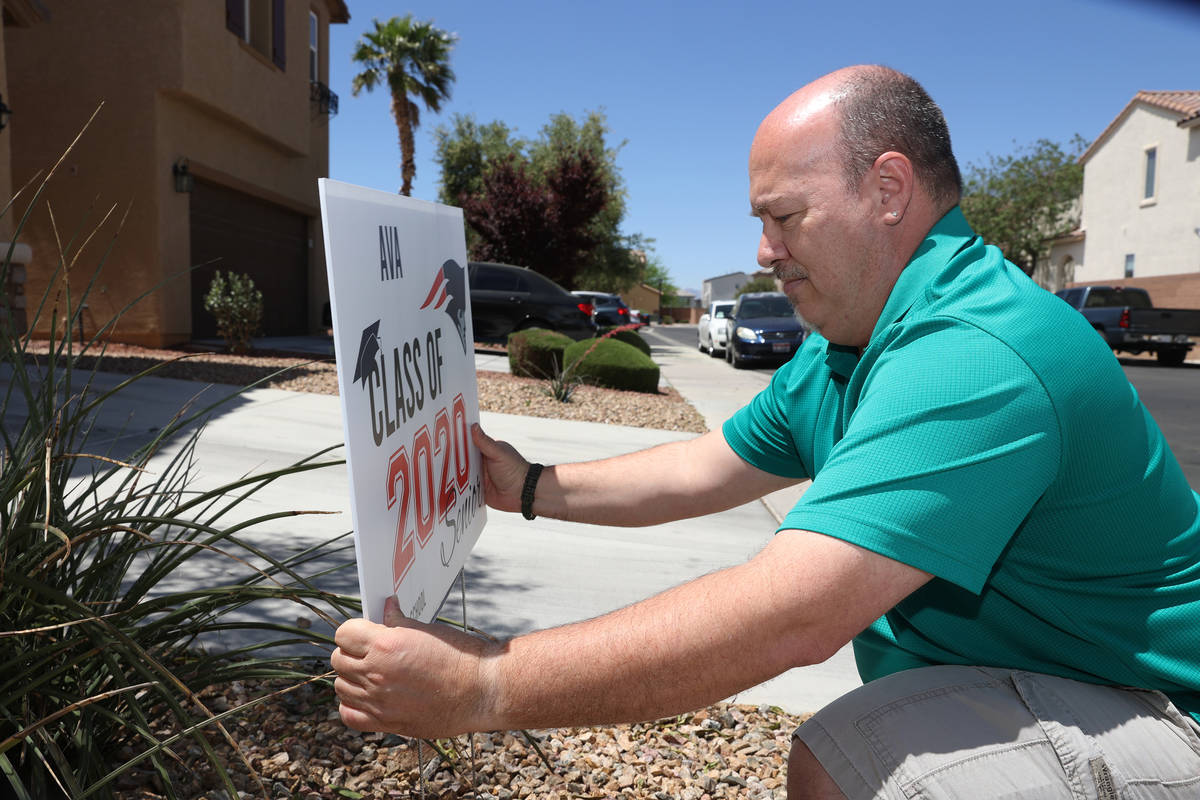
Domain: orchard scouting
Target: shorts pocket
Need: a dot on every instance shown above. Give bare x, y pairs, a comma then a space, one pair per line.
1114, 743
963, 741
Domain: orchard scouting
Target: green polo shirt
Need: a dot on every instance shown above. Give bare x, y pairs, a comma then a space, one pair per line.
988, 436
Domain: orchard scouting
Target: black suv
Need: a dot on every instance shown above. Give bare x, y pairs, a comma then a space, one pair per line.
762, 325
505, 298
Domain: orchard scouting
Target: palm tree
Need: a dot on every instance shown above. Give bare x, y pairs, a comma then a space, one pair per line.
413, 59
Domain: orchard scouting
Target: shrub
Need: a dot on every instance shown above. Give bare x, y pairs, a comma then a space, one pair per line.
238, 306
612, 363
630, 336
536, 352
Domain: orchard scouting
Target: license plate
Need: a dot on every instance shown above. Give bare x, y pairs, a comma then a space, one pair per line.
781, 347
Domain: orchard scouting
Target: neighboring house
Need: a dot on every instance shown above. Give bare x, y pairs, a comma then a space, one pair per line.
211, 138
723, 287
643, 297
1141, 202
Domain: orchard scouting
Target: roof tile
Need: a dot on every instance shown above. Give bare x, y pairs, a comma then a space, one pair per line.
1186, 103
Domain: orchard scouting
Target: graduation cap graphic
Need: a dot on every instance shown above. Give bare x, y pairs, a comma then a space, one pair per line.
449, 293
368, 350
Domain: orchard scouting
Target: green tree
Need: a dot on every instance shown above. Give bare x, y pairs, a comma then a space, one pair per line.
544, 227
467, 152
762, 283
413, 60
1019, 202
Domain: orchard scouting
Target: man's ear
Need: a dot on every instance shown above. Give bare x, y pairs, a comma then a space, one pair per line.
894, 179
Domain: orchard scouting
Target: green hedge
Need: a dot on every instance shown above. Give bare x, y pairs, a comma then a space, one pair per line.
613, 364
536, 352
629, 337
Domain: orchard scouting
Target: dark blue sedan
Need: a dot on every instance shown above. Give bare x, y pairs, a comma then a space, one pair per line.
762, 327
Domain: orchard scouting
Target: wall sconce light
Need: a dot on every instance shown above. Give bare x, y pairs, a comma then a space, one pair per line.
5, 113
184, 182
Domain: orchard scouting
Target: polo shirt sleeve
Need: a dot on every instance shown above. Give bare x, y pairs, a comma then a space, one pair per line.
773, 431
950, 444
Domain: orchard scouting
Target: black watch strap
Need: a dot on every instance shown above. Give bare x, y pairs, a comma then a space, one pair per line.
531, 479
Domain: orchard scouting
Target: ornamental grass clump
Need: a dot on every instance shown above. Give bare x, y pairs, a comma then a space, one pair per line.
102, 657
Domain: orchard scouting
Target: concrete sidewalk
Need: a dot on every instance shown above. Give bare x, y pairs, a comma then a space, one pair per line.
522, 576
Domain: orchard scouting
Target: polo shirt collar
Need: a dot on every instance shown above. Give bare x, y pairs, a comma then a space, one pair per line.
944, 240
947, 237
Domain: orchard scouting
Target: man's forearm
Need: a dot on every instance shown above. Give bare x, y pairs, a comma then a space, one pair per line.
685, 648
673, 481
794, 603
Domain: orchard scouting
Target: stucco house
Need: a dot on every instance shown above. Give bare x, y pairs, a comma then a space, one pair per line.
1140, 209
212, 129
723, 287
643, 297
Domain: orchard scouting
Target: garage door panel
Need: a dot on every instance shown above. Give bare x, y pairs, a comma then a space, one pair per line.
233, 231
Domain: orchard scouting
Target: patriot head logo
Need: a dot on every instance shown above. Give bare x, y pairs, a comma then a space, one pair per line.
449, 293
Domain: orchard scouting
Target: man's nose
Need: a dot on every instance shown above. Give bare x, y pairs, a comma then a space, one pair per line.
770, 250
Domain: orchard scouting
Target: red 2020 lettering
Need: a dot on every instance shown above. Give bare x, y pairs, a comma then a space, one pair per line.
420, 501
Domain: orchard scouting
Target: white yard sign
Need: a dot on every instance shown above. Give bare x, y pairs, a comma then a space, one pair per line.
406, 373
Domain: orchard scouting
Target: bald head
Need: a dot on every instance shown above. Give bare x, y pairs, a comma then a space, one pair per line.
876, 110
848, 175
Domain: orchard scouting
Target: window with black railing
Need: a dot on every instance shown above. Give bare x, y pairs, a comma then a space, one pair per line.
325, 98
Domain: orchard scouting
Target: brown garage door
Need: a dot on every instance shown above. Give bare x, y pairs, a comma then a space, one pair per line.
235, 231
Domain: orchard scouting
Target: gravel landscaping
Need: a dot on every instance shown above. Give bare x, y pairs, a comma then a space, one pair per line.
293, 745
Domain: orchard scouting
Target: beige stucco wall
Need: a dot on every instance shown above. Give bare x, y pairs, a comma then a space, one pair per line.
57, 88
1159, 233
175, 84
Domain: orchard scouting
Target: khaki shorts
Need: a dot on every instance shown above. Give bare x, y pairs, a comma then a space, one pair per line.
973, 732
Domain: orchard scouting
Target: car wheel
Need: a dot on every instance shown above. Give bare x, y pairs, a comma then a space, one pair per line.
700, 345
729, 353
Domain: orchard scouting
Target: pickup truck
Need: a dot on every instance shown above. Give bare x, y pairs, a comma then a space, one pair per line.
1130, 323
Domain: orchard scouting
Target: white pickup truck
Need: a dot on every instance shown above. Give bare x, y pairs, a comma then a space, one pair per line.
711, 328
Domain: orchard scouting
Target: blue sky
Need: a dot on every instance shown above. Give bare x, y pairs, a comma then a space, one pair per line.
684, 85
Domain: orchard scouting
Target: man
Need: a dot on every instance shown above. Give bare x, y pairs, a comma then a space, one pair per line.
994, 518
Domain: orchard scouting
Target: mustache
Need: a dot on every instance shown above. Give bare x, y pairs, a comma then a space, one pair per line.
789, 272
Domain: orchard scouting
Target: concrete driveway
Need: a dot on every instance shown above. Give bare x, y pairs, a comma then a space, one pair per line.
522, 575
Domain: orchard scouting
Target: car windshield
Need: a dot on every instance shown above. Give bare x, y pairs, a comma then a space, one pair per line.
766, 307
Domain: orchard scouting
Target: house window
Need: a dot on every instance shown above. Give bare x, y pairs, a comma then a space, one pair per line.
260, 24
1151, 158
1129, 265
314, 61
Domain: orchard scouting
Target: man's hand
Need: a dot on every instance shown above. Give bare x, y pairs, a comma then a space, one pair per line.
503, 471
407, 677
